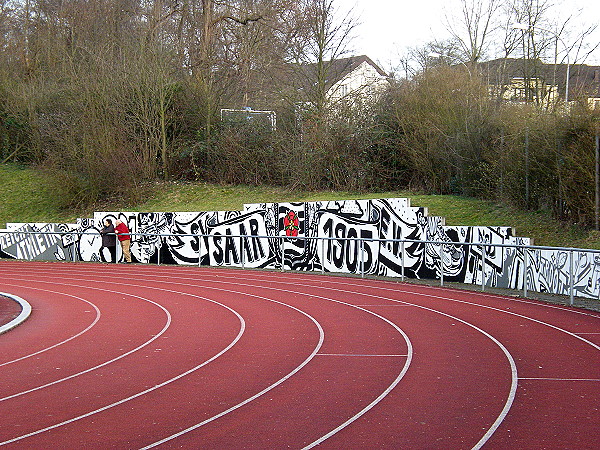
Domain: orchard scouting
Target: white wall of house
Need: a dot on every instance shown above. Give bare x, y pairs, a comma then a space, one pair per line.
364, 81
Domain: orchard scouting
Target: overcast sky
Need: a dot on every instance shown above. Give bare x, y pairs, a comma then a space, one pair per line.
389, 27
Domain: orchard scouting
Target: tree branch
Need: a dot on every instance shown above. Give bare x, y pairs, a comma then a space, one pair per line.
244, 21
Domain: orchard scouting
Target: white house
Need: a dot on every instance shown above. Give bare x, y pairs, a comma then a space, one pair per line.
357, 77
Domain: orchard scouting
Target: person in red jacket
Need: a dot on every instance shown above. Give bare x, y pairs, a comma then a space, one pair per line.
122, 232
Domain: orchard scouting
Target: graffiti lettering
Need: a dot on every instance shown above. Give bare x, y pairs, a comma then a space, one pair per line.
335, 236
226, 249
344, 250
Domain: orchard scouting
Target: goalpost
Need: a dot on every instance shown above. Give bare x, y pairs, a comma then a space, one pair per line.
248, 116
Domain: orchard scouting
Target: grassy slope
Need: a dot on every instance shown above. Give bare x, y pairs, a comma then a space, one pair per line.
24, 197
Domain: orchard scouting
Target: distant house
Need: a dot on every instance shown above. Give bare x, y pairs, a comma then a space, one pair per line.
357, 76
349, 80
519, 80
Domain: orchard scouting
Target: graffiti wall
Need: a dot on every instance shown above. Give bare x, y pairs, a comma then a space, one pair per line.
351, 236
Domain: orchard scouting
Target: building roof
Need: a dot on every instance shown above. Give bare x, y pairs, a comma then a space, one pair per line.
337, 69
342, 67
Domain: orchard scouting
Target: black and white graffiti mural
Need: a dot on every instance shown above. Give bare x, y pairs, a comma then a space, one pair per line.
39, 241
382, 237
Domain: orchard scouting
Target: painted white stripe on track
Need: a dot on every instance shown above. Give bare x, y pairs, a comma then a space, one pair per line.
513, 368
346, 284
70, 377
146, 391
89, 327
362, 356
420, 294
362, 412
560, 379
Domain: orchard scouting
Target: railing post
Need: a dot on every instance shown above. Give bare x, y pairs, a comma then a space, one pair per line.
402, 258
282, 253
323, 256
441, 264
199, 244
242, 251
159, 248
571, 279
362, 258
526, 262
482, 267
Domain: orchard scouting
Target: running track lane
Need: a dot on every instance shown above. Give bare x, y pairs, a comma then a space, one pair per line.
456, 387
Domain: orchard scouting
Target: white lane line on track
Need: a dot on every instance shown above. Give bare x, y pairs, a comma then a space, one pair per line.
391, 305
362, 356
321, 334
352, 419
513, 367
21, 317
560, 379
420, 294
474, 293
562, 330
530, 302
70, 377
85, 330
139, 394
259, 394
459, 301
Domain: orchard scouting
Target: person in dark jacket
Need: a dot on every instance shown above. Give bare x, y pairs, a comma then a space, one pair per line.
109, 240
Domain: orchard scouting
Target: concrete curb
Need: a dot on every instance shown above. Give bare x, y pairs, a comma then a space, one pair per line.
25, 312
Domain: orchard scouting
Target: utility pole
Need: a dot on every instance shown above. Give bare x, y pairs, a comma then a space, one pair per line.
597, 208
527, 168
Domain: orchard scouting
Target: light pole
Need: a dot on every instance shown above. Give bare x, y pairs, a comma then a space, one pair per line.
530, 29
597, 180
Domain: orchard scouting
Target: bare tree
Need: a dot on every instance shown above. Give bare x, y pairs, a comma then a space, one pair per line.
473, 27
327, 40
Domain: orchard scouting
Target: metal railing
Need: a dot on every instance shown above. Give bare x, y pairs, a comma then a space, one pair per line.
159, 239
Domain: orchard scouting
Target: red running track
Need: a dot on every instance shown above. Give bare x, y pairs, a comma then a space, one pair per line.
186, 357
